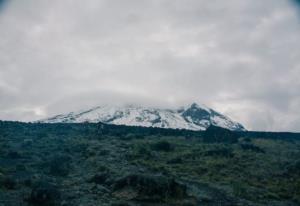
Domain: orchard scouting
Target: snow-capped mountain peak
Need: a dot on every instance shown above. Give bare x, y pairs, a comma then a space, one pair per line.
192, 117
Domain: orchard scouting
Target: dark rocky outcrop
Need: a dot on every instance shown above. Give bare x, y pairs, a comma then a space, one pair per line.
196, 113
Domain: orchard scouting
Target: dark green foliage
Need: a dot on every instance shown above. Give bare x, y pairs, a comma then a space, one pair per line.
215, 134
121, 203
294, 168
14, 155
247, 139
8, 183
98, 164
286, 136
176, 160
164, 146
60, 165
153, 188
44, 194
100, 178
252, 148
103, 152
222, 152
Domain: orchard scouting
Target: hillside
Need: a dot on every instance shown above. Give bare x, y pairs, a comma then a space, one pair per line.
98, 164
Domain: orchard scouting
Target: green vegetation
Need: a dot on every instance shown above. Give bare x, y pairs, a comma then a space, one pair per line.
96, 164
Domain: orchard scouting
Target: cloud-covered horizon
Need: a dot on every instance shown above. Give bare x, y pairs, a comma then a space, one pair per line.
240, 57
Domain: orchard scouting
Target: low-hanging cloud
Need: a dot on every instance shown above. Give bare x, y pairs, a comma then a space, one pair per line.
240, 57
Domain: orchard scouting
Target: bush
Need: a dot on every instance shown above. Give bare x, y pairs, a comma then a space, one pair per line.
156, 188
100, 178
214, 134
176, 160
223, 152
294, 168
164, 146
130, 136
14, 155
7, 182
252, 148
44, 194
60, 165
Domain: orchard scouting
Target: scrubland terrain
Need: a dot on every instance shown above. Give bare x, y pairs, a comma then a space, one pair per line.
95, 164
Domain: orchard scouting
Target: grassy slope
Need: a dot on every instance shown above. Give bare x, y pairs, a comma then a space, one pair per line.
70, 155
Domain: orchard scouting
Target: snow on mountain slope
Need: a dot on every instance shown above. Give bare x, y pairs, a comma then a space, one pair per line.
192, 117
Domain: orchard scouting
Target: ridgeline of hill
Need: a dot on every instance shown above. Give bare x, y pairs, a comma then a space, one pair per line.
98, 164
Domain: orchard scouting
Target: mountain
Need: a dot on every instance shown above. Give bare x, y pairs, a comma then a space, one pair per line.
192, 117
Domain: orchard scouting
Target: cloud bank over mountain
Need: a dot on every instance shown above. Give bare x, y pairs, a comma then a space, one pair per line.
239, 57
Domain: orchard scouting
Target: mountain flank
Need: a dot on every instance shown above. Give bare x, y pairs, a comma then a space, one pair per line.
192, 117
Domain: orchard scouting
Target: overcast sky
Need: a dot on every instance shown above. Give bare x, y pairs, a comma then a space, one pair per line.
240, 57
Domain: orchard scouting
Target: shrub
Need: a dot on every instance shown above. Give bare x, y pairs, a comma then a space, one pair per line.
164, 146
44, 194
7, 182
156, 188
60, 165
176, 160
223, 152
215, 134
100, 178
252, 148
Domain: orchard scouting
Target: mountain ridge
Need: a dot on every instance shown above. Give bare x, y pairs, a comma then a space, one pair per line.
192, 117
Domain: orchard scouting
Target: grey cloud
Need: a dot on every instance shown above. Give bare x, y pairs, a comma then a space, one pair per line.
240, 57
